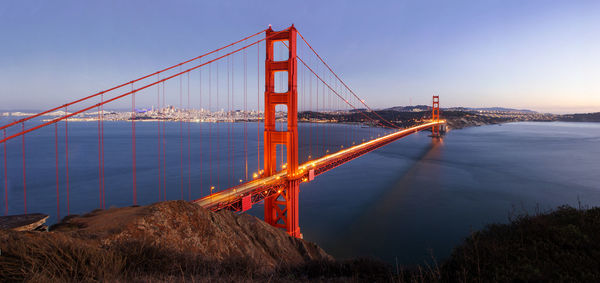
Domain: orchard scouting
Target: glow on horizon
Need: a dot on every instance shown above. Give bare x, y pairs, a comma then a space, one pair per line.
517, 54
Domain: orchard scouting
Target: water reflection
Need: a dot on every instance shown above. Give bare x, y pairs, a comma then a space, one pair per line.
419, 196
373, 224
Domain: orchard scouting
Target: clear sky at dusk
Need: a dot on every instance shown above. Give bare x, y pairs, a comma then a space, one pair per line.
541, 55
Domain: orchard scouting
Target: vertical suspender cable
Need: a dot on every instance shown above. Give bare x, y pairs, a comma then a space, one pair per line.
102, 145
330, 136
218, 144
323, 112
210, 127
5, 176
24, 176
158, 110
56, 170
133, 152
302, 109
164, 146
347, 136
231, 122
258, 107
315, 130
317, 117
245, 115
200, 129
99, 162
180, 110
189, 142
228, 126
310, 125
67, 160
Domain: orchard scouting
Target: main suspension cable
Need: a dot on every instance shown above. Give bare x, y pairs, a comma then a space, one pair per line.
343, 83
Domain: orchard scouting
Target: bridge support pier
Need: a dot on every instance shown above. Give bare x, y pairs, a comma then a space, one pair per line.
281, 209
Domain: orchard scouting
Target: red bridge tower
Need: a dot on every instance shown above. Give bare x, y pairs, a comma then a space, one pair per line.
435, 116
281, 209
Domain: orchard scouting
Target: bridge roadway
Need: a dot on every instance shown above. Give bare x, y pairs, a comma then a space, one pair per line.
243, 196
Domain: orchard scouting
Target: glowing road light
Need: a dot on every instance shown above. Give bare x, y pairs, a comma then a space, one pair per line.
254, 175
211, 189
283, 166
226, 195
240, 180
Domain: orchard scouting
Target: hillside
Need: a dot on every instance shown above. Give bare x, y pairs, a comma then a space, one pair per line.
156, 241
457, 118
557, 246
177, 241
588, 117
405, 119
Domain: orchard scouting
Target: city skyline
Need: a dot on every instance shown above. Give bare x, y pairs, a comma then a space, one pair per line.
514, 54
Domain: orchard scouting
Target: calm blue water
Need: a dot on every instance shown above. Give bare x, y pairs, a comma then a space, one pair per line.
417, 197
410, 200
217, 157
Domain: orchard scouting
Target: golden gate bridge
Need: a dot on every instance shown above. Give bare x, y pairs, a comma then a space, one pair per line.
296, 79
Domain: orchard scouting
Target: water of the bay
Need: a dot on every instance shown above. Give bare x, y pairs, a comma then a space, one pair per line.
417, 198
408, 201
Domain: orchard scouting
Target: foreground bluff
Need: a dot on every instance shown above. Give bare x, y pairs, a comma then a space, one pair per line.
186, 227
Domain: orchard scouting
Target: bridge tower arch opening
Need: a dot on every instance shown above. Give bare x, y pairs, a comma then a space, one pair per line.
281, 209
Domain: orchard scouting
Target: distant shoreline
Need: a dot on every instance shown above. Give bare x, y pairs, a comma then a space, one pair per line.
478, 121
456, 119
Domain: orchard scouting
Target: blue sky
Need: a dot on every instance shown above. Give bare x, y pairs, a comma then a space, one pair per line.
541, 55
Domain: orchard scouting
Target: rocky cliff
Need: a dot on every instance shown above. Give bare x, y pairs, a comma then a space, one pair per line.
174, 239
185, 227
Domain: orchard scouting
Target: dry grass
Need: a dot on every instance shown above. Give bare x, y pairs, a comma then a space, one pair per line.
54, 257
37, 257
561, 245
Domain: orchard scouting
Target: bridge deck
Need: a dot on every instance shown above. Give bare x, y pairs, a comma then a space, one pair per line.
257, 190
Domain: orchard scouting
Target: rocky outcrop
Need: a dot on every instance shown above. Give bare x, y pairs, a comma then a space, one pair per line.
24, 222
188, 228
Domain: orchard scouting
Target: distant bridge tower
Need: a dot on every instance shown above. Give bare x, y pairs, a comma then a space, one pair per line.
281, 209
435, 116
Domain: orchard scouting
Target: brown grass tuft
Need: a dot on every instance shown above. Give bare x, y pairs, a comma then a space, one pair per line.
50, 257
